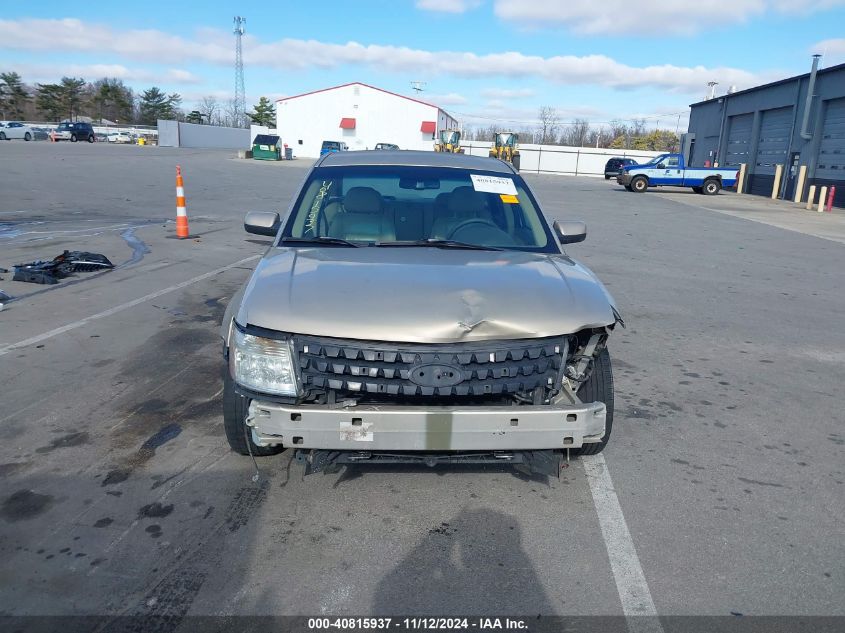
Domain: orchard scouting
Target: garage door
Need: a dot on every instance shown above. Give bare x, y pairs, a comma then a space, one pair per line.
831, 165
774, 140
739, 140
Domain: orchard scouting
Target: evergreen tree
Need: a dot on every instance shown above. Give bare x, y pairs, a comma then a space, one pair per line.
264, 113
13, 95
48, 99
155, 104
112, 99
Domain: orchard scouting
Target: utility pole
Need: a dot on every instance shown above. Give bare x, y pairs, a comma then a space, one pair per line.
240, 92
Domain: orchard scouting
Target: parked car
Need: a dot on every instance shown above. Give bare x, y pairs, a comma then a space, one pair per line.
40, 133
120, 137
417, 307
15, 129
614, 165
74, 132
386, 146
333, 146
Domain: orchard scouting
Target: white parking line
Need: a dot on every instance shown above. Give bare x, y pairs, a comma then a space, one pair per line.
630, 580
121, 307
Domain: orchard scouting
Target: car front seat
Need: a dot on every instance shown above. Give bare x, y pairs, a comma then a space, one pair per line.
363, 218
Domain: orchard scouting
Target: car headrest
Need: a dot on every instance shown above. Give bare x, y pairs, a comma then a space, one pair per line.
363, 200
466, 201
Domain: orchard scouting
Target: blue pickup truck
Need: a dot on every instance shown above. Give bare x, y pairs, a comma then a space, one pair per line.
669, 170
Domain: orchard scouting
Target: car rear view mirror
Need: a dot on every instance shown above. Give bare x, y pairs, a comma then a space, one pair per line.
262, 223
570, 232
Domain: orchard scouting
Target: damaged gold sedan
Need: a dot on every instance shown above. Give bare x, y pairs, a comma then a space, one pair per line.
418, 307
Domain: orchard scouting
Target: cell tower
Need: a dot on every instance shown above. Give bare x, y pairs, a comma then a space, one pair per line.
240, 92
418, 86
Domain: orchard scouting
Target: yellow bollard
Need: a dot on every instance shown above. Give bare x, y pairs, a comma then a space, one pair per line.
776, 183
799, 186
822, 197
741, 182
810, 197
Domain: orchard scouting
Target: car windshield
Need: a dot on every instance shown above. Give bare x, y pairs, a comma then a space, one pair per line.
379, 205
63, 126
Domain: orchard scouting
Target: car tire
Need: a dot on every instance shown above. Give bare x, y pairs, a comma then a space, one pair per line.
711, 187
27, 137
235, 409
73, 138
2, 136
91, 138
639, 184
606, 177
516, 162
599, 388
628, 187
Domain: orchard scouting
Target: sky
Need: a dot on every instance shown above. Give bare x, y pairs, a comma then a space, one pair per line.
483, 61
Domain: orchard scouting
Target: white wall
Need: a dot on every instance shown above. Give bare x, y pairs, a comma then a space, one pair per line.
560, 159
380, 117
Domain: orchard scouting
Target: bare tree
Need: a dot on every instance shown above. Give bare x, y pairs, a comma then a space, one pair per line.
576, 134
231, 114
209, 108
549, 121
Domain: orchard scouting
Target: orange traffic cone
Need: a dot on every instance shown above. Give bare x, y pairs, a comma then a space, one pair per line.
181, 211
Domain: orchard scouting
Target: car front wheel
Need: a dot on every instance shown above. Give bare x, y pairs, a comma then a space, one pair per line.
73, 138
599, 388
27, 137
639, 184
235, 410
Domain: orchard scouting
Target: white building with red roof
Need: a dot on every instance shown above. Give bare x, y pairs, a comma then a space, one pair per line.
360, 116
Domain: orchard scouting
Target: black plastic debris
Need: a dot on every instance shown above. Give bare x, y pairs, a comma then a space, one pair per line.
61, 266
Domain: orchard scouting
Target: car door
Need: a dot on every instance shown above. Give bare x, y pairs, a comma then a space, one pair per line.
672, 174
14, 130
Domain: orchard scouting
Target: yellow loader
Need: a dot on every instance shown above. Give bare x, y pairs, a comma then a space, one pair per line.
505, 148
449, 141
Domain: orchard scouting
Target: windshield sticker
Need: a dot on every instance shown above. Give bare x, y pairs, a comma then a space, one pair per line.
493, 184
509, 199
314, 213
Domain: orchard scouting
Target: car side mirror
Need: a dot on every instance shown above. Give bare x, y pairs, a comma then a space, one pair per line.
570, 232
262, 223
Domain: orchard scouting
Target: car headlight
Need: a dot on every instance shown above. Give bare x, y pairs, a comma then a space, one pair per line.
262, 364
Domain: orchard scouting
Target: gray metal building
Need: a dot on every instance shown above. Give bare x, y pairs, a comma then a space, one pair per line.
777, 123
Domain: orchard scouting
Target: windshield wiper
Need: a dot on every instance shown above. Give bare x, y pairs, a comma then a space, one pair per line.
441, 244
334, 241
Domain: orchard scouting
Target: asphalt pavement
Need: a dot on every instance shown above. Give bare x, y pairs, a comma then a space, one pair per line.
119, 494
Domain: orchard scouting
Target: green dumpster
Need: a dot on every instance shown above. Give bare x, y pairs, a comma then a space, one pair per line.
266, 147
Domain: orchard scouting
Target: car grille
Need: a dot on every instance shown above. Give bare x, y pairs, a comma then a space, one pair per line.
456, 369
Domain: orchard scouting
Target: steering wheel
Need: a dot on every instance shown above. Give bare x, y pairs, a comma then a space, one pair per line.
462, 225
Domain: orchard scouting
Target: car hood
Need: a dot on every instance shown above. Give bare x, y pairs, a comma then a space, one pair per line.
422, 295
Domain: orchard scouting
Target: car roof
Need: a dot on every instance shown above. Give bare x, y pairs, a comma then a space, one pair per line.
415, 159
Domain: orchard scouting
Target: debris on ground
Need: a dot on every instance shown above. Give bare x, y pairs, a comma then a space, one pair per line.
61, 266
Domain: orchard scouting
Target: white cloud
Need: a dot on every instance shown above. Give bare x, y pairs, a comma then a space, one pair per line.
70, 35
833, 50
453, 98
506, 93
43, 73
448, 6
647, 17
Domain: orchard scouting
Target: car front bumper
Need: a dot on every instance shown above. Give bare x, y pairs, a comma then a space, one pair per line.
399, 428
623, 178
